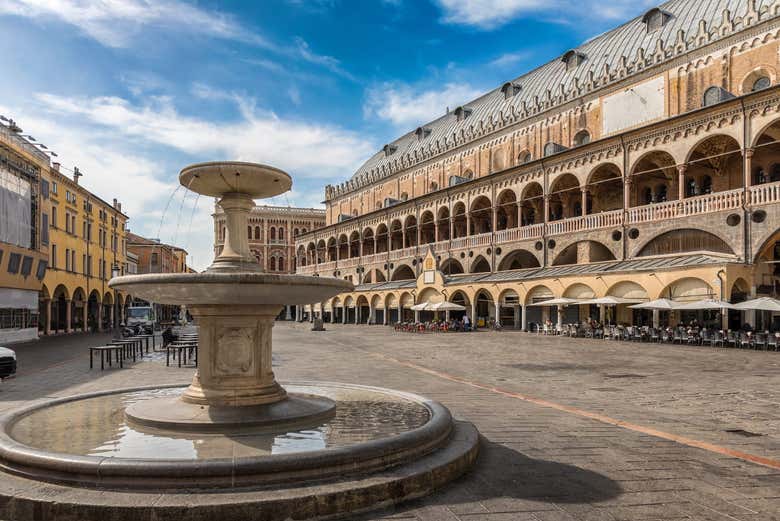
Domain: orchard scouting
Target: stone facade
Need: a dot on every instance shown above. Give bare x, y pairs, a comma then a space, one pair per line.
650, 171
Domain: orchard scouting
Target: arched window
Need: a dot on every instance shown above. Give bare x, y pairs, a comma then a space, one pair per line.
249, 232
434, 186
711, 96
273, 233
524, 157
281, 264
257, 233
404, 196
654, 19
761, 83
303, 231
281, 234
273, 264
581, 138
295, 232
550, 148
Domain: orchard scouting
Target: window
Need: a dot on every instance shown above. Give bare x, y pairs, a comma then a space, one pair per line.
510, 89
581, 138
461, 113
45, 188
44, 228
281, 263
257, 233
552, 148
281, 234
155, 259
67, 259
654, 19
41, 271
524, 157
73, 260
249, 232
273, 263
761, 83
712, 96
296, 232
303, 231
14, 260
434, 186
422, 133
273, 234
572, 59
404, 196
53, 216
27, 263
53, 256
389, 150
54, 187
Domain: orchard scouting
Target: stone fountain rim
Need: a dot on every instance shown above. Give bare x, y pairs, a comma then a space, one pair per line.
258, 166
101, 471
223, 277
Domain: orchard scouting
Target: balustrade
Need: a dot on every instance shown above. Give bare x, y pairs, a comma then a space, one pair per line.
715, 202
764, 193
592, 221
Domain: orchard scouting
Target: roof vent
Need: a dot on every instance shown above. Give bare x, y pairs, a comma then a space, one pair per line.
572, 58
654, 19
510, 89
462, 113
389, 150
422, 133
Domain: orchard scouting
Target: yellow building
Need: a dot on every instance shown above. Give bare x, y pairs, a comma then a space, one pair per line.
643, 164
87, 239
23, 246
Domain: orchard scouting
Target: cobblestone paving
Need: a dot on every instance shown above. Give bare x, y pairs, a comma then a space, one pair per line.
537, 462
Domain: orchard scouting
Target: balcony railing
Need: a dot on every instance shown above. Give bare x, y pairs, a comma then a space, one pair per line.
592, 221
765, 193
348, 263
403, 253
702, 204
522, 233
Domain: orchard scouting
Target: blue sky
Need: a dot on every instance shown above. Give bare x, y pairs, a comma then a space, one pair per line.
130, 91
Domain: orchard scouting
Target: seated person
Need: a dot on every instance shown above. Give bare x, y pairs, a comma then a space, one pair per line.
168, 336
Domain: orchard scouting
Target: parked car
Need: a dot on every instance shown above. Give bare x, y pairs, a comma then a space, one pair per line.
7, 363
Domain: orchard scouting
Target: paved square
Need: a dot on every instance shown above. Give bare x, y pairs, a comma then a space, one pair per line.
565, 421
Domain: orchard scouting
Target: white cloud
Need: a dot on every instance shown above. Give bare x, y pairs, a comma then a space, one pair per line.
491, 14
309, 149
408, 107
510, 59
113, 23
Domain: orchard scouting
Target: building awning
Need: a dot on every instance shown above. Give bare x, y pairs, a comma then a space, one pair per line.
12, 298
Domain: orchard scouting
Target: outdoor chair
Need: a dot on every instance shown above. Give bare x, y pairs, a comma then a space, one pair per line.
759, 341
654, 335
716, 338
731, 339
744, 341
772, 341
677, 335
705, 337
636, 334
665, 336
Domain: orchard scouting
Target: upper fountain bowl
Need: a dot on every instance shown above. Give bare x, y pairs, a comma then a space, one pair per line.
218, 178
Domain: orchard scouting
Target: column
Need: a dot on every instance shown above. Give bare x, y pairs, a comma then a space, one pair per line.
452, 227
47, 318
371, 315
357, 314
516, 318
474, 314
750, 315
385, 312
681, 181
111, 315
627, 192
435, 230
468, 223
85, 317
400, 312
546, 208
524, 318
344, 314
100, 317
656, 318
748, 168
498, 311
311, 313
602, 313
494, 222
560, 318
68, 315
585, 191
288, 313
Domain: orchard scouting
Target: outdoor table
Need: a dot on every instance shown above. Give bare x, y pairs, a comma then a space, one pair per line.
106, 351
146, 339
128, 346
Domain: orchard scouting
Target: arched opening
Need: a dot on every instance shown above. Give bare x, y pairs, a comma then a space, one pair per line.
407, 301
480, 265
654, 179
410, 230
77, 309
583, 252
443, 222
272, 264
369, 245
273, 233
565, 198
321, 250
604, 189
579, 313
281, 234
518, 260
765, 163
301, 256
509, 309
484, 307
506, 211
343, 246
354, 245
524, 157
257, 233
536, 316
581, 138
396, 235
459, 220
363, 310
481, 215
684, 241
532, 204
460, 298
332, 251
451, 267
403, 272
427, 228
714, 165
311, 254
381, 238
623, 314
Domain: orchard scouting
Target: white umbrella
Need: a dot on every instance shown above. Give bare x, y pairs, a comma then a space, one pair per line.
760, 304
662, 304
562, 301
709, 303
446, 306
419, 307
610, 301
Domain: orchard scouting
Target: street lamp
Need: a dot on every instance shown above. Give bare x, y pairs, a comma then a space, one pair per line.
115, 274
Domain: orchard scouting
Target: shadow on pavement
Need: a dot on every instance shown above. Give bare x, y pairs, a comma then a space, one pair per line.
504, 476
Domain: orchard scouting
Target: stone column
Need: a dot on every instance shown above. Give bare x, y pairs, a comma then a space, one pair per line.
468, 223
452, 227
524, 318
681, 181
656, 318
47, 312
68, 315
332, 314
236, 253
400, 312
602, 313
100, 317
546, 208
385, 313
288, 313
85, 317
750, 315
344, 314
748, 167
474, 314
111, 315
516, 317
371, 315
627, 192
311, 313
357, 314
498, 311
584, 203
560, 318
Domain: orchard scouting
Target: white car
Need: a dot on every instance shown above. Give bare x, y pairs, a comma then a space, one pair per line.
7, 363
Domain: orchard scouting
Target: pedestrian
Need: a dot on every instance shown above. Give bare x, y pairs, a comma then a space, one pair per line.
466, 323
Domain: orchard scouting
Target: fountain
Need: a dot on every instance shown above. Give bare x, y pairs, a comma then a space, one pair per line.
250, 446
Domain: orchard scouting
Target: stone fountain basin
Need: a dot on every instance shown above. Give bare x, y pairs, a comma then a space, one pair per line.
220, 288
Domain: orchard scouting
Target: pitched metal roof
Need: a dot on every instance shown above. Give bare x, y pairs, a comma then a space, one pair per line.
609, 57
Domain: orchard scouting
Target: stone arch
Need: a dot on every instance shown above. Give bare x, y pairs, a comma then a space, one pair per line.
427, 228
460, 297
524, 157
532, 204
538, 293
480, 265
565, 197
627, 289
517, 260
484, 304
714, 164
396, 235
443, 220
765, 163
108, 298
430, 295
354, 244
381, 237
604, 187
451, 266
376, 301
459, 220
760, 78
581, 138
391, 300
579, 290
368, 242
687, 289
506, 210
739, 292
654, 178
61, 292
403, 272
683, 241
582, 252
410, 230
481, 212
509, 297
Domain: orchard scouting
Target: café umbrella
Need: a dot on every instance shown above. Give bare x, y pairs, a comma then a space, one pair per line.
660, 304
760, 304
709, 303
609, 300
